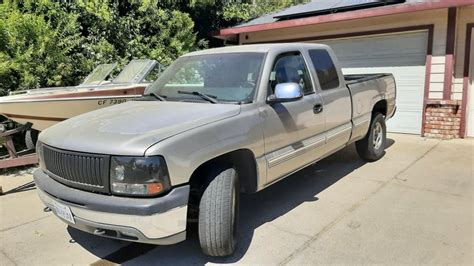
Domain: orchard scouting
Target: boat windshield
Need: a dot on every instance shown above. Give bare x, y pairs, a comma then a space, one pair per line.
135, 71
99, 74
230, 77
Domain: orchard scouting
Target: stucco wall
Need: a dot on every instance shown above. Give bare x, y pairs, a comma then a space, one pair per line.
436, 17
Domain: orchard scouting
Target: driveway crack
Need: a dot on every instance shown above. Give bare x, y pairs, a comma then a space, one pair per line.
8, 257
19, 225
289, 231
430, 190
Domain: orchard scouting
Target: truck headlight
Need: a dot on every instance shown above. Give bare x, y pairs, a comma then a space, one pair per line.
39, 152
138, 176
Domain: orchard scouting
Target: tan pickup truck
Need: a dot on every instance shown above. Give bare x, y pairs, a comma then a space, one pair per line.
216, 123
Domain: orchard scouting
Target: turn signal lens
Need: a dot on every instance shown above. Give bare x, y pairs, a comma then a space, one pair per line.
154, 188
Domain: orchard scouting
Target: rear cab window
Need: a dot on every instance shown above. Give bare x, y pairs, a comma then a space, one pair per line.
325, 68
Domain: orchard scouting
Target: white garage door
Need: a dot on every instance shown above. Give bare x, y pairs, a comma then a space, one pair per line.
404, 55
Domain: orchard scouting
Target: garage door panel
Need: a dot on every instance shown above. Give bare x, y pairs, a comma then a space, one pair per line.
407, 81
415, 42
399, 121
392, 50
350, 62
403, 55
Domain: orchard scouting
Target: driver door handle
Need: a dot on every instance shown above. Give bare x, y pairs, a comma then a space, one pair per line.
318, 108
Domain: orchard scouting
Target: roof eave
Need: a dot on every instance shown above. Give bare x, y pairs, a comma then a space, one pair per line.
343, 16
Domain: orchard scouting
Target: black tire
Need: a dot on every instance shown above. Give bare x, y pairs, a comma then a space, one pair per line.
218, 214
31, 137
367, 148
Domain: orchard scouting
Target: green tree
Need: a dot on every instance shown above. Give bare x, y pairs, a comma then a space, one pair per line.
210, 15
235, 12
34, 51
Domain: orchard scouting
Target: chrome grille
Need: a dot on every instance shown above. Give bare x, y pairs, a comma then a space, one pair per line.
81, 170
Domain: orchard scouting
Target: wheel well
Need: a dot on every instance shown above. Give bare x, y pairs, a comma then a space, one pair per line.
380, 107
242, 160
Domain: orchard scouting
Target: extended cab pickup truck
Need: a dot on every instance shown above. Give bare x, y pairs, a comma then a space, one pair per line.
216, 123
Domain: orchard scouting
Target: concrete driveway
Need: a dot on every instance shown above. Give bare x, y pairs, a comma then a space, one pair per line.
414, 206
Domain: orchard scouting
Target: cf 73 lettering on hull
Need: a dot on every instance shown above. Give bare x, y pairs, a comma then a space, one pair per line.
111, 101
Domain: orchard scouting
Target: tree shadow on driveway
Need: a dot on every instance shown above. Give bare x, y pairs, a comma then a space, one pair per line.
255, 210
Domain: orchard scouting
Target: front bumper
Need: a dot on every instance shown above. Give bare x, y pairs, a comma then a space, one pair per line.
160, 221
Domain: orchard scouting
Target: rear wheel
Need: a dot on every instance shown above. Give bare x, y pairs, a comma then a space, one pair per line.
372, 147
218, 214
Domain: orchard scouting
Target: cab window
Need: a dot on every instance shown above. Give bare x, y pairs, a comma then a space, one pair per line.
290, 67
325, 69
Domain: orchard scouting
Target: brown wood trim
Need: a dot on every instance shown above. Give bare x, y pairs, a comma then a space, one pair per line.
449, 62
355, 34
344, 16
30, 117
465, 83
467, 53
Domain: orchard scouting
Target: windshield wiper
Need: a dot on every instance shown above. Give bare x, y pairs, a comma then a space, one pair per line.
157, 96
207, 97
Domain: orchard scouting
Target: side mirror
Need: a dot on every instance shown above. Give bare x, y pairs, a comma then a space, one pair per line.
286, 92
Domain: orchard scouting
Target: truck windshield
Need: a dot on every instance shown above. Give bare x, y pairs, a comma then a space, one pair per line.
226, 77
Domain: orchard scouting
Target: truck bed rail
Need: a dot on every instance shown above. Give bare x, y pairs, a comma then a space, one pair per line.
356, 78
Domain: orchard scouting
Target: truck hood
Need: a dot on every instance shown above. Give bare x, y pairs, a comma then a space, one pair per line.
131, 128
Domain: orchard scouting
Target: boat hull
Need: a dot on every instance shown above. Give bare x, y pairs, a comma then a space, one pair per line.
44, 109
45, 113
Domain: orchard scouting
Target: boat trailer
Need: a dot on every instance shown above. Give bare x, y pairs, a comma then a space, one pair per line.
14, 157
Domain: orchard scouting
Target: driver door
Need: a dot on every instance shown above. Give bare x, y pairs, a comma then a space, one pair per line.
294, 131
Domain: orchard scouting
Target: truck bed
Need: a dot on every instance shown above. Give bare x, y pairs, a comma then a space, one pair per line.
366, 90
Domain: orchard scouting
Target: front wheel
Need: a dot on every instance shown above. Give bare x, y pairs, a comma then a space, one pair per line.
372, 146
218, 214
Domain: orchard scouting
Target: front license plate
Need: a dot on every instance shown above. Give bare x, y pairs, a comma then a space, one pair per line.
63, 212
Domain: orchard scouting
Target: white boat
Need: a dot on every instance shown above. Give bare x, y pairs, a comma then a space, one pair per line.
47, 106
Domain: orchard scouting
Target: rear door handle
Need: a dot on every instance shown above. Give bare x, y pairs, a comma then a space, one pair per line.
318, 108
